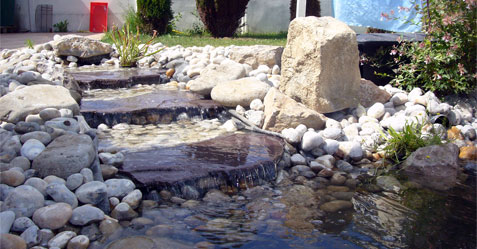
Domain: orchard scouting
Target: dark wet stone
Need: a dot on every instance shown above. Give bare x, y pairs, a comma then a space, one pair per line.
118, 78
152, 108
227, 160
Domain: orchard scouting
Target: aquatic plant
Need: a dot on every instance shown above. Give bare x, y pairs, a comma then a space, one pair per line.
129, 45
400, 145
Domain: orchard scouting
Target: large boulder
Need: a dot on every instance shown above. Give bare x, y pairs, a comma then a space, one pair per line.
320, 64
369, 93
239, 92
213, 73
433, 166
66, 155
283, 112
18, 104
82, 47
257, 55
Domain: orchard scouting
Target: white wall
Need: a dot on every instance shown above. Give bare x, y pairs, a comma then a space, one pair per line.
75, 11
261, 15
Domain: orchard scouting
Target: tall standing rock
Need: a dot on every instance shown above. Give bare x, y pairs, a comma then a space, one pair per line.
320, 64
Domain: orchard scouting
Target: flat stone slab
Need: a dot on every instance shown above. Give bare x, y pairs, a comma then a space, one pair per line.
231, 160
387, 39
118, 78
160, 107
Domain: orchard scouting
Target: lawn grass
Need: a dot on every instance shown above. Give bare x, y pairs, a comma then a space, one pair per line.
186, 40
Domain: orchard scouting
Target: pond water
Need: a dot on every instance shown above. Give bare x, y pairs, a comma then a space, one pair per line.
285, 213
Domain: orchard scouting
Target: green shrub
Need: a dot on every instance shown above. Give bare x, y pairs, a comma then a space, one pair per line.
129, 45
445, 61
221, 17
154, 15
61, 26
312, 8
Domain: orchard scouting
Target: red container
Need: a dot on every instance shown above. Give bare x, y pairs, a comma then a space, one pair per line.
98, 17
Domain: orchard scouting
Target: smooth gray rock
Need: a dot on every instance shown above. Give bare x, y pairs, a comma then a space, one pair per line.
6, 221
43, 137
32, 148
4, 190
92, 192
20, 162
87, 174
30, 235
86, 214
60, 193
123, 211
21, 224
297, 159
74, 181
26, 127
119, 187
23, 201
61, 239
65, 155
49, 113
344, 166
133, 199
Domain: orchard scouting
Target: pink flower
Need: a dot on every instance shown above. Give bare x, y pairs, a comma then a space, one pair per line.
437, 76
393, 52
428, 60
461, 69
447, 20
402, 8
422, 45
446, 38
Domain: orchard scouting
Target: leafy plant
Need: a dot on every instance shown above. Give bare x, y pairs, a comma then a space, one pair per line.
198, 28
29, 43
129, 45
154, 15
221, 17
445, 60
400, 145
61, 26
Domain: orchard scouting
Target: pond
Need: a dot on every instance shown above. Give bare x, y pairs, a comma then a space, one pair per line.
286, 211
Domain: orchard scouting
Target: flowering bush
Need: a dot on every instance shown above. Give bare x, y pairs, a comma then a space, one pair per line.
446, 60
